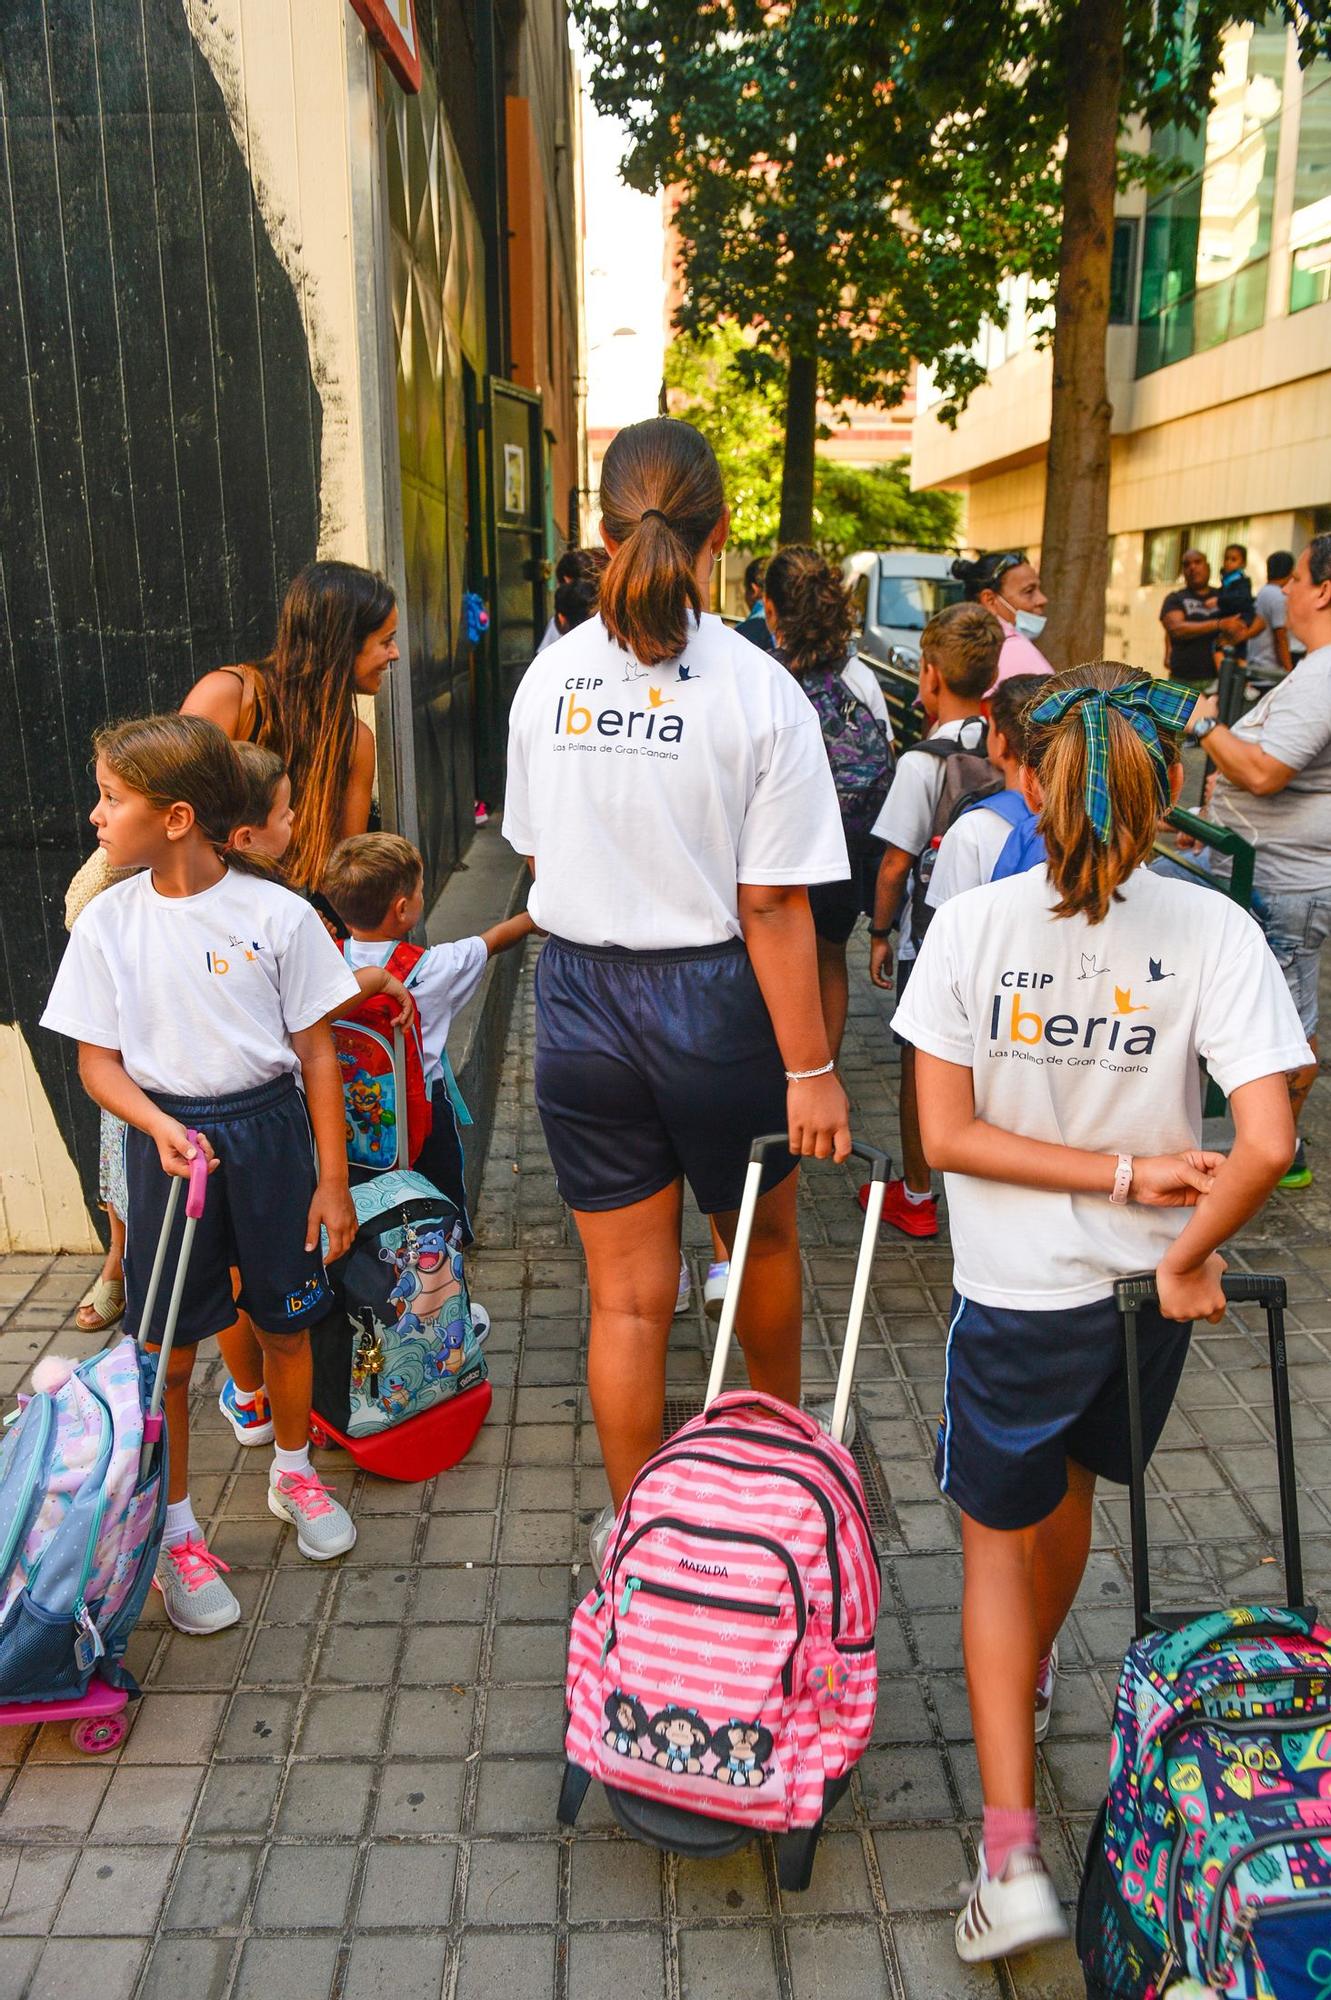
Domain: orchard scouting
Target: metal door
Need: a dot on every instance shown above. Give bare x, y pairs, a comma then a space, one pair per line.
517, 566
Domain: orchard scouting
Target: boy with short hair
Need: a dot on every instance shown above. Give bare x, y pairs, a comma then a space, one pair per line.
958, 662
998, 836
375, 882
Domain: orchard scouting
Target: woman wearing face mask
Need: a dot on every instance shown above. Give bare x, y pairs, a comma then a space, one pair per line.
1005, 583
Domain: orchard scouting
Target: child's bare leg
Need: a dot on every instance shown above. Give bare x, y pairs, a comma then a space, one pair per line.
113, 1266
1001, 1641
175, 1402
242, 1354
1062, 1545
914, 1166
288, 1375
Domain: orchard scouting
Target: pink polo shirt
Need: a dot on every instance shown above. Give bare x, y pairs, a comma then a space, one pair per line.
1019, 655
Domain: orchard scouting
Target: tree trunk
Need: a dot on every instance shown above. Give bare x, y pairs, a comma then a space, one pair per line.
1074, 554
797, 464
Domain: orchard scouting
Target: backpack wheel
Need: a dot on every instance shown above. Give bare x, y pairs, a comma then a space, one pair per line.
98, 1734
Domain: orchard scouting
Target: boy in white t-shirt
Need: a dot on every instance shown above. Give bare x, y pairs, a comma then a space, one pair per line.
999, 836
958, 657
1059, 1018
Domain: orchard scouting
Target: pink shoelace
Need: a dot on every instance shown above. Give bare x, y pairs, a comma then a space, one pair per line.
308, 1491
196, 1563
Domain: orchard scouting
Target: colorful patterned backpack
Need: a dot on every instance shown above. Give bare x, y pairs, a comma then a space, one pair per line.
722, 1676
382, 1066
859, 749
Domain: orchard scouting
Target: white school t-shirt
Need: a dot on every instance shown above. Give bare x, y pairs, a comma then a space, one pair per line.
442, 981
1088, 1035
646, 794
967, 854
200, 994
907, 817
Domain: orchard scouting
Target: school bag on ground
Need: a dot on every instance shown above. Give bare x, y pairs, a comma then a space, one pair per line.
1211, 1857
400, 1381
383, 1076
722, 1674
83, 1472
859, 749
969, 779
1024, 847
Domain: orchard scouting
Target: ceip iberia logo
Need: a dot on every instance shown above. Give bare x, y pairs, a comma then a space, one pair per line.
583, 721
1018, 1022
220, 963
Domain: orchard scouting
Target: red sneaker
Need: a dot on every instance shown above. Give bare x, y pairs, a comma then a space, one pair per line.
912, 1218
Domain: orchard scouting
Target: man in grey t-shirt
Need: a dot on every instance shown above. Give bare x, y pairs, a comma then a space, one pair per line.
1274, 788
1268, 645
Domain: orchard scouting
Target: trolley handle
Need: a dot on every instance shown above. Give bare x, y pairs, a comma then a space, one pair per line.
1241, 1288
878, 1163
197, 1192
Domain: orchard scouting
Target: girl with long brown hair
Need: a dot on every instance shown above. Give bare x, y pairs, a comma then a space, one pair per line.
669, 785
336, 638
1058, 1018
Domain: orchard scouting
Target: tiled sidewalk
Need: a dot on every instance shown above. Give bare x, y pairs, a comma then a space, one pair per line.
352, 1792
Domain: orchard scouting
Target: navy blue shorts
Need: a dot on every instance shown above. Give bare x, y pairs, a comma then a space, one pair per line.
651, 1065
1026, 1391
254, 1217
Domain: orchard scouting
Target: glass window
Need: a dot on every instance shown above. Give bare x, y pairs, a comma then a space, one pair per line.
1207, 239
1310, 223
1162, 550
909, 602
1122, 271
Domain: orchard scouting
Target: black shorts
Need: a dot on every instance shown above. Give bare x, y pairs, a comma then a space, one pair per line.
1024, 1392
254, 1217
838, 906
652, 1065
905, 967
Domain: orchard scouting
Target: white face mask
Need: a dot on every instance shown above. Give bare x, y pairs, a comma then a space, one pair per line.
1030, 623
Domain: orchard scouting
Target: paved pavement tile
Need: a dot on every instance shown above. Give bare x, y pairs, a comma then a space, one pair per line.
352, 1792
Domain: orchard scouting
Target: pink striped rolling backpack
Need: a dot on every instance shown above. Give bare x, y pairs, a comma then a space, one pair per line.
722, 1675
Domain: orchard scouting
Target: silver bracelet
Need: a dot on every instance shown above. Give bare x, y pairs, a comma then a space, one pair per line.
806, 1075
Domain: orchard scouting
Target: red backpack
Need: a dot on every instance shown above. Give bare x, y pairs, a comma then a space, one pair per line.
383, 1076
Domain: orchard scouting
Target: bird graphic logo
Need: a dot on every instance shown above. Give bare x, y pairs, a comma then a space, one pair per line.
685, 671
1156, 974
1089, 968
657, 699
1123, 1002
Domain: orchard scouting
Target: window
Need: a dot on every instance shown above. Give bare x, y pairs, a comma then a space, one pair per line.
909, 602
1123, 271
1162, 549
1207, 238
1310, 223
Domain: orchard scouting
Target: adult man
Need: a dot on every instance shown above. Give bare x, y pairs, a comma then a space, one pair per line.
753, 625
1193, 626
1274, 788
1268, 648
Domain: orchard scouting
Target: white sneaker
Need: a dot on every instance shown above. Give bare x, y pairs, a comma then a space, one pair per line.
598, 1536
1044, 1695
195, 1597
714, 1290
684, 1296
323, 1526
822, 1415
480, 1322
1012, 1913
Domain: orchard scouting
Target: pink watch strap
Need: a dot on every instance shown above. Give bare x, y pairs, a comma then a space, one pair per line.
1122, 1179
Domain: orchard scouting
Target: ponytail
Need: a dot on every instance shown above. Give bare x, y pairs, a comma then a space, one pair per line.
1102, 746
661, 497
812, 606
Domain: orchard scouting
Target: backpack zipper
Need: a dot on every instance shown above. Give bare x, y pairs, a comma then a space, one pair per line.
810, 1451
721, 1535
737, 1604
1250, 1913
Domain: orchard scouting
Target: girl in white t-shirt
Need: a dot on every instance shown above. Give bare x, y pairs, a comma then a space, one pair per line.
669, 784
1059, 1017
198, 994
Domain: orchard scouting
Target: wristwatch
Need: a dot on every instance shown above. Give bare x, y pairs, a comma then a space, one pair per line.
880, 935
1204, 727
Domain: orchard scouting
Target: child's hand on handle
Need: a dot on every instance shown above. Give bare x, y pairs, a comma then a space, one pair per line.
332, 1209
176, 1149
880, 961
1194, 1293
406, 1006
1174, 1180
818, 1113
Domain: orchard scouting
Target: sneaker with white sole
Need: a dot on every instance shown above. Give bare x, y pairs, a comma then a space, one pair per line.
598, 1536
714, 1289
1044, 1695
480, 1322
323, 1526
1009, 1913
822, 1416
195, 1597
684, 1296
252, 1422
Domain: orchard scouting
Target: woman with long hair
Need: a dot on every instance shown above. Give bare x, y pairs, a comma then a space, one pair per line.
336, 638
668, 783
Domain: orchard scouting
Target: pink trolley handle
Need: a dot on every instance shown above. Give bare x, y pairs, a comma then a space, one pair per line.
194, 1204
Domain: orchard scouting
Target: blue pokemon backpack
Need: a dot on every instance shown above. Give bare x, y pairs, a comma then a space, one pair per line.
1211, 1858
400, 1381
858, 749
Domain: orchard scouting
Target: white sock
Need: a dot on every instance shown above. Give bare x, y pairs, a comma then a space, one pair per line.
181, 1525
289, 1461
245, 1398
915, 1199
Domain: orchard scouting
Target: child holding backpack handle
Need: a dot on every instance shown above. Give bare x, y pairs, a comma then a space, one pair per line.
1058, 1019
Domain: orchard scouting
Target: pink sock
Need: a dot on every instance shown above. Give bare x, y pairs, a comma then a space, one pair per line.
1007, 1827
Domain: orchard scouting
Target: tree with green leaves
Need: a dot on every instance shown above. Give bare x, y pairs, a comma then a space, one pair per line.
798, 167
1033, 105
854, 506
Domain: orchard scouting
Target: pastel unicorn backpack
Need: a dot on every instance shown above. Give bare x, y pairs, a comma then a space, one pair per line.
722, 1675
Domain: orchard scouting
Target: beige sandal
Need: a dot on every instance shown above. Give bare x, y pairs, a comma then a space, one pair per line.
101, 1306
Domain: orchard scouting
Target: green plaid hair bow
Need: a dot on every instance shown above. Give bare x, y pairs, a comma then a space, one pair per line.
1148, 705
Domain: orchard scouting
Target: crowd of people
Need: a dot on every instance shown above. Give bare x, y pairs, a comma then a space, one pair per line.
707, 813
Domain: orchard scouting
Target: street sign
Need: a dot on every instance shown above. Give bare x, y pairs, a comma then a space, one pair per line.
391, 25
